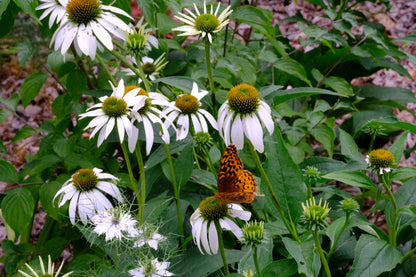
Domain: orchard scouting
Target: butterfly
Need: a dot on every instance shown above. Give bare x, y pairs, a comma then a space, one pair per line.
235, 184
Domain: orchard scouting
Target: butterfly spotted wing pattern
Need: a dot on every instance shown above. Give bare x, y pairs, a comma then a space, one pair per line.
235, 184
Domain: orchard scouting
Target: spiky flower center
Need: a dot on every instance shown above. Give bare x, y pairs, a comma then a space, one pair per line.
253, 232
187, 103
83, 11
85, 180
206, 23
381, 158
202, 138
114, 106
149, 68
136, 41
349, 205
46, 275
243, 99
314, 214
213, 209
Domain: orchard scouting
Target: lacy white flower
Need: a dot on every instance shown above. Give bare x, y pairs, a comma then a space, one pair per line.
88, 24
114, 108
203, 220
151, 268
186, 109
49, 273
243, 113
114, 223
149, 237
56, 9
147, 112
85, 190
205, 24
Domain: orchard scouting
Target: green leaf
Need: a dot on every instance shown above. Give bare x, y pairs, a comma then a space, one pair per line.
46, 194
292, 67
29, 7
192, 263
398, 147
373, 256
76, 84
325, 135
339, 84
3, 6
55, 60
31, 87
23, 133
406, 194
257, 18
7, 18
403, 174
182, 82
285, 95
354, 178
149, 11
348, 146
8, 172
4, 115
26, 50
183, 166
17, 208
281, 268
403, 96
303, 254
63, 147
285, 177
45, 162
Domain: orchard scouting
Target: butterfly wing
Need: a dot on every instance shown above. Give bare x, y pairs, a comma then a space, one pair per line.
230, 167
245, 187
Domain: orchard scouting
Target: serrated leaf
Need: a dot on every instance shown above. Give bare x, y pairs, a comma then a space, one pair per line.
31, 87
303, 254
8, 172
292, 67
7, 18
45, 162
258, 18
354, 178
397, 148
288, 94
76, 84
348, 146
17, 209
149, 10
29, 7
325, 136
23, 133
46, 194
3, 6
373, 256
285, 177
4, 115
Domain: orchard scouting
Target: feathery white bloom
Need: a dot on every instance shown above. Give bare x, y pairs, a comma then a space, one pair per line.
187, 110
113, 109
114, 223
205, 24
89, 24
44, 273
244, 114
85, 190
149, 237
151, 268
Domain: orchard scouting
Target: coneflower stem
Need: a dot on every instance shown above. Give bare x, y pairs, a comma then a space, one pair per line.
131, 175
106, 70
321, 253
176, 191
116, 257
221, 247
290, 227
256, 262
338, 236
391, 229
208, 62
142, 182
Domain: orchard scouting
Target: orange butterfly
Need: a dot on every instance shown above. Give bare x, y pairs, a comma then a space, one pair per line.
235, 184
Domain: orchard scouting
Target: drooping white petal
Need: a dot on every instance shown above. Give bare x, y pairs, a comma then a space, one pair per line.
236, 210
230, 225
213, 238
237, 132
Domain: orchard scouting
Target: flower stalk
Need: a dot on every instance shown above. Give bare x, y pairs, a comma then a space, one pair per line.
129, 169
209, 69
142, 183
321, 253
221, 247
391, 229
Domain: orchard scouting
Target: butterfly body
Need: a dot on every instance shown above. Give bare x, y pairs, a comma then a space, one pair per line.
235, 184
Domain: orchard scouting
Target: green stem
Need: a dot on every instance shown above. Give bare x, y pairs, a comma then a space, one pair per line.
256, 262
310, 194
321, 253
290, 226
196, 158
208, 62
373, 138
176, 191
131, 175
338, 237
209, 162
116, 257
142, 183
221, 247
44, 236
105, 68
138, 71
408, 255
392, 229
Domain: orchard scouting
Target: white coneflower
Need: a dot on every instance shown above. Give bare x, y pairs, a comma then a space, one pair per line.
44, 273
56, 9
203, 220
113, 109
187, 110
85, 190
88, 25
206, 24
380, 160
243, 113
